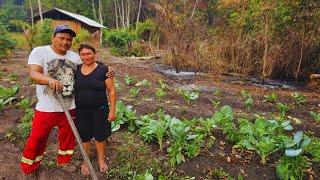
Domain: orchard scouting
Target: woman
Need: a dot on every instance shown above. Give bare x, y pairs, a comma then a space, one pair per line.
93, 113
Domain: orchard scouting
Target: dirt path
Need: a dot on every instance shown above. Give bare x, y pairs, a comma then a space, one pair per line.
220, 155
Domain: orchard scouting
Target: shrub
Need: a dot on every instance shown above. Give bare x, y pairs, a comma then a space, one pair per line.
21, 40
82, 36
6, 43
145, 30
43, 33
122, 42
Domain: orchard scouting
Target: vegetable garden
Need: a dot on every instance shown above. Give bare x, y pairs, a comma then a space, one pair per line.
217, 128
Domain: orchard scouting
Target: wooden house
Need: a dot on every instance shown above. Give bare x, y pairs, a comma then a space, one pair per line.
75, 21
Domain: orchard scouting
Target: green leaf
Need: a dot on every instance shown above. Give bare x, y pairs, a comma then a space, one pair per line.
293, 152
180, 158
297, 137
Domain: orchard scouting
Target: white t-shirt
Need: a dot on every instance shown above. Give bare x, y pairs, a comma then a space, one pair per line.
42, 56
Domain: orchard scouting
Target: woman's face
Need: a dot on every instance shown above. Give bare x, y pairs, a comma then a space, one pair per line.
87, 56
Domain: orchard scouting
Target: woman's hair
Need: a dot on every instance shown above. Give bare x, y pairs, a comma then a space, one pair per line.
86, 46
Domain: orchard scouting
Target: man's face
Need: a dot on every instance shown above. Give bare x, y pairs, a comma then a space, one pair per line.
62, 42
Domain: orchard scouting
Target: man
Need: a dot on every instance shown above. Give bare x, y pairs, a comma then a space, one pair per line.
52, 68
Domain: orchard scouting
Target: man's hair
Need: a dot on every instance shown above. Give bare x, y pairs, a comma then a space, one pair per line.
86, 46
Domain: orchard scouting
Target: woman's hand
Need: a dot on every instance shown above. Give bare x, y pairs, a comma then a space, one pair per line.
111, 116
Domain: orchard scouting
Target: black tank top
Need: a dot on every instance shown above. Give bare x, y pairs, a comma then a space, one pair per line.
90, 90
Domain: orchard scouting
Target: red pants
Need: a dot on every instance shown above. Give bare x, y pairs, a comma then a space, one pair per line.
42, 124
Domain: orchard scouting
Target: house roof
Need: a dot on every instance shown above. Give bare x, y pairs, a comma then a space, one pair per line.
79, 17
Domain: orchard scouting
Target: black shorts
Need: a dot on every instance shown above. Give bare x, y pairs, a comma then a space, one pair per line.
93, 123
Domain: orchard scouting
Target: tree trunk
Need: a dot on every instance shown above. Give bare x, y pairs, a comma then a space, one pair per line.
100, 19
31, 13
123, 14
139, 9
116, 13
128, 13
40, 11
94, 10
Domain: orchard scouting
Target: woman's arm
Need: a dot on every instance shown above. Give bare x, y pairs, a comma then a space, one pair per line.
112, 98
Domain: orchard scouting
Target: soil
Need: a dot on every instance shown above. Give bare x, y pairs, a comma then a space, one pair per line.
219, 156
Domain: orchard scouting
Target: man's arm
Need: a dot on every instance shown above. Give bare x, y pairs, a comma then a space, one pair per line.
36, 75
110, 73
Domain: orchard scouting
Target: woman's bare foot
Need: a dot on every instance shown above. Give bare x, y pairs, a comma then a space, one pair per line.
85, 169
103, 166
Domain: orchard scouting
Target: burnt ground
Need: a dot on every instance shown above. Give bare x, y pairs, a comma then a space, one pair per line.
220, 156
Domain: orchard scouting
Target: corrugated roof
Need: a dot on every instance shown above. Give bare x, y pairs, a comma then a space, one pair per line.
81, 18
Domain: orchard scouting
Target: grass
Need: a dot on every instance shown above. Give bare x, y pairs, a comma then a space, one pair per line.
134, 158
22, 42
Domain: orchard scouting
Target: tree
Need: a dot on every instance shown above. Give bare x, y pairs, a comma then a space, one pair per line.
40, 11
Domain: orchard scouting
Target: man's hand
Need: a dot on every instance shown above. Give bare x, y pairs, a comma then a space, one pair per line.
55, 85
110, 73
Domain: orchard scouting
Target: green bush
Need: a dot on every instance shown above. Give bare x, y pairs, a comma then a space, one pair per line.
123, 42
82, 36
43, 33
119, 38
21, 40
6, 43
145, 30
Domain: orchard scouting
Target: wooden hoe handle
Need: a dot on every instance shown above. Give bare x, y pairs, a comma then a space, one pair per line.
76, 134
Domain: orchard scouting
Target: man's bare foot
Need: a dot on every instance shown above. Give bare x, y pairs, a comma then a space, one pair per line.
85, 169
103, 166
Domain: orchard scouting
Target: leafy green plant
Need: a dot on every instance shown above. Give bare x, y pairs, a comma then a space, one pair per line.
160, 93
6, 93
129, 80
293, 164
245, 94
189, 95
5, 102
224, 118
249, 103
315, 116
151, 129
215, 103
145, 176
290, 168
296, 146
163, 85
299, 98
283, 108
134, 91
314, 149
259, 136
272, 98
144, 83
24, 103
125, 114
24, 127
